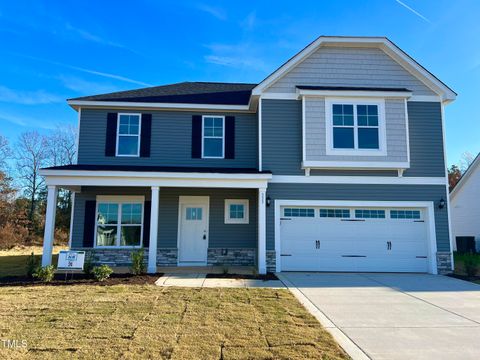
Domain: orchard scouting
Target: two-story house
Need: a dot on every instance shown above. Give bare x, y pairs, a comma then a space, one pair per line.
334, 162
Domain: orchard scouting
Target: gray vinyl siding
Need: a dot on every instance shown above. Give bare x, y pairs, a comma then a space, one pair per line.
426, 139
354, 66
221, 235
282, 139
171, 143
282, 136
316, 133
361, 192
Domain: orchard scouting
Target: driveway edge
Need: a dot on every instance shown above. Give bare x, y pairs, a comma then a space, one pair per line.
343, 340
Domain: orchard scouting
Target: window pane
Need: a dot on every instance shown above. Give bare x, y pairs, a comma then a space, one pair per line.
131, 213
362, 120
107, 214
212, 147
342, 114
129, 124
343, 138
194, 213
337, 120
130, 236
208, 131
361, 109
372, 110
208, 122
106, 235
368, 138
127, 145
134, 129
335, 213
299, 212
237, 211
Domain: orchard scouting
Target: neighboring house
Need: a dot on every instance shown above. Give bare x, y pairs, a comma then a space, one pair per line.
465, 204
334, 162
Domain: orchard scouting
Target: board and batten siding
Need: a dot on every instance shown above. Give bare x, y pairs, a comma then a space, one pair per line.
361, 192
221, 235
282, 138
349, 66
171, 140
316, 133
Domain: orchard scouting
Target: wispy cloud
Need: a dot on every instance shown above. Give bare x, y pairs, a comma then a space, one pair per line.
250, 21
241, 55
413, 11
28, 97
88, 71
26, 121
219, 13
83, 86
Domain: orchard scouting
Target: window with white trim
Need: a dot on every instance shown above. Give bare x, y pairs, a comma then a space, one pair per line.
369, 214
128, 134
405, 214
236, 211
119, 223
213, 137
355, 127
299, 212
335, 213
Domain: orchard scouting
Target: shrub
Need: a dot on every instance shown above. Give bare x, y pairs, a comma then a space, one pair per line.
138, 265
102, 272
471, 264
88, 265
32, 264
45, 273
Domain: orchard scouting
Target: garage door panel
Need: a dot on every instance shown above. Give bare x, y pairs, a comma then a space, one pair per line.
355, 244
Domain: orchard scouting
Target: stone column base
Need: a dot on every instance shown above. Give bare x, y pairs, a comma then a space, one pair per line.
444, 262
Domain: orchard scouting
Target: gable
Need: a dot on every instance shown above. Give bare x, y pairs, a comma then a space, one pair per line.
349, 66
469, 183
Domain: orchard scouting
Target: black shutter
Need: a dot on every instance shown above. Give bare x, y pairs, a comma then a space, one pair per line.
146, 223
89, 223
111, 138
229, 137
146, 135
196, 136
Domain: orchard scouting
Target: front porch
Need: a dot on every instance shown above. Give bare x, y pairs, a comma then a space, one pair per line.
184, 218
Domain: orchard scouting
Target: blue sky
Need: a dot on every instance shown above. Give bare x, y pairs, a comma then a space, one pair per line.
54, 50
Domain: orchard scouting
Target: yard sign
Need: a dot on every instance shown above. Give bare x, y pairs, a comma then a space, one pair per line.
71, 260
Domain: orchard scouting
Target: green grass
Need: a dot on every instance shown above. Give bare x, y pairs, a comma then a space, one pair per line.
13, 262
146, 321
459, 261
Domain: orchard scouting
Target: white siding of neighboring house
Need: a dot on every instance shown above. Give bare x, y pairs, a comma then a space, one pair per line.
465, 207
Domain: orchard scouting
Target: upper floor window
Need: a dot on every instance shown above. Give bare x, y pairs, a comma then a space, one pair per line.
213, 137
128, 135
355, 128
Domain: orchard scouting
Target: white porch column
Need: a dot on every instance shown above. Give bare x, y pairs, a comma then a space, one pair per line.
262, 246
49, 225
152, 247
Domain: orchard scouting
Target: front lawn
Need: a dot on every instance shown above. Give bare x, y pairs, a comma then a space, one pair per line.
13, 261
146, 321
459, 270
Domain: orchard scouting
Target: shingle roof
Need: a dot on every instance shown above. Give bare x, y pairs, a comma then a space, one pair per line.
143, 168
184, 92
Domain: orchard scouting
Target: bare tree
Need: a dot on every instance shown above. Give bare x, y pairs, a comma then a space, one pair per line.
61, 146
5, 152
30, 156
466, 159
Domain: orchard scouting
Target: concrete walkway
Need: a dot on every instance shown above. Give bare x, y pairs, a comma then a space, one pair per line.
394, 316
200, 280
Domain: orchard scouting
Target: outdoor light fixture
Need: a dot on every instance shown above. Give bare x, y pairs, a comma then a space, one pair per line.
441, 204
268, 200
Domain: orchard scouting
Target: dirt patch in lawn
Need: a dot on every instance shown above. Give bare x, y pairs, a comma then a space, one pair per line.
81, 279
151, 322
268, 276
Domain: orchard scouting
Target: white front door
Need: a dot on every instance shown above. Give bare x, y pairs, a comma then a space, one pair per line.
193, 230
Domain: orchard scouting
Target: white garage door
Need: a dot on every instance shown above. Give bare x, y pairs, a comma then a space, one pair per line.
353, 239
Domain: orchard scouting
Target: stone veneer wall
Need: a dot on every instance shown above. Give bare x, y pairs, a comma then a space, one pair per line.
232, 256
444, 262
122, 257
271, 261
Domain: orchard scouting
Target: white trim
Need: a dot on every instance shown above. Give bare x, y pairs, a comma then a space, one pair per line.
200, 200
49, 232
136, 179
143, 105
383, 43
260, 134
356, 151
119, 199
407, 129
77, 135
153, 239
262, 231
213, 137
373, 180
356, 165
245, 203
304, 120
427, 205
355, 93
72, 211
138, 136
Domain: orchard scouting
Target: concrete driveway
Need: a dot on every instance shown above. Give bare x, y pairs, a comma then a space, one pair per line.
398, 316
